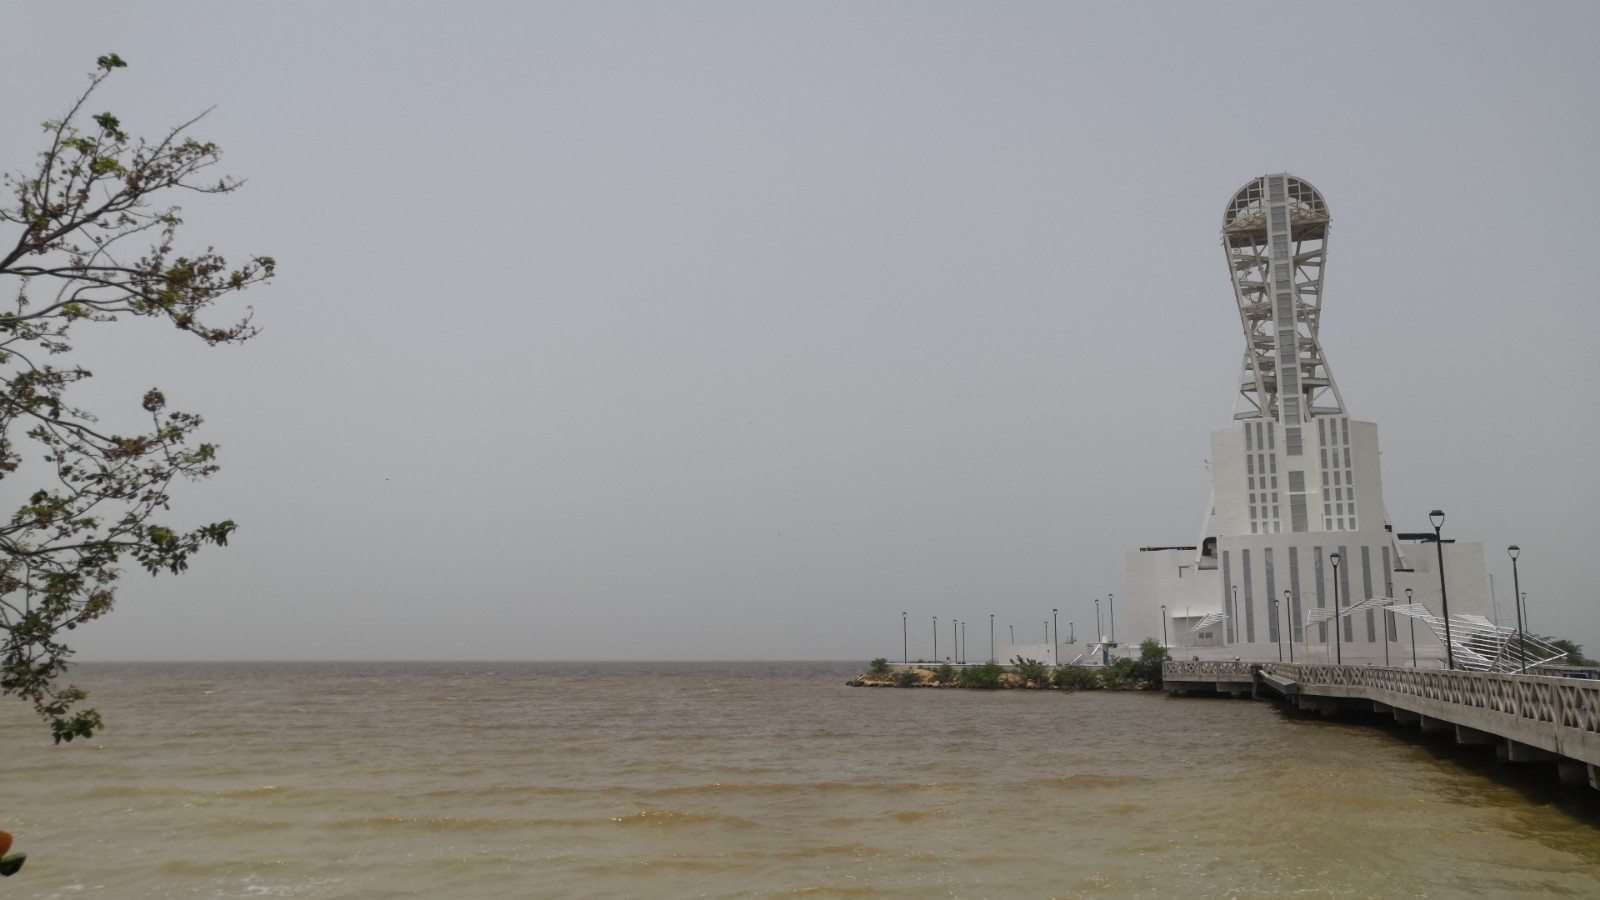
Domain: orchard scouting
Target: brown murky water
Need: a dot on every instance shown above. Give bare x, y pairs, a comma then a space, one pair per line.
749, 780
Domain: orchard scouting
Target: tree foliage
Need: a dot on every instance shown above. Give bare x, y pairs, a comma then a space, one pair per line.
89, 235
1143, 673
985, 676
1032, 672
1572, 649
1077, 678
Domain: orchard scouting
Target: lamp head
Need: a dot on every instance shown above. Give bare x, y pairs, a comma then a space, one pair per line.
1437, 519
1513, 550
1334, 557
1408, 595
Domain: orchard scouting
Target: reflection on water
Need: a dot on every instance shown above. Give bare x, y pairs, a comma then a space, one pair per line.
751, 779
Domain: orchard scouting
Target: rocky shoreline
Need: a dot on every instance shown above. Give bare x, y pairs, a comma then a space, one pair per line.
919, 677
1122, 674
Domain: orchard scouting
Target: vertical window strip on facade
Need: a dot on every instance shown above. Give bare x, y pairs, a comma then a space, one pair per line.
1317, 579
1272, 597
1388, 591
1227, 591
1344, 592
1248, 599
1366, 591
1296, 616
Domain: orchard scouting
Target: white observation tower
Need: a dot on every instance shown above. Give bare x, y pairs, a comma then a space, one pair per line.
1296, 525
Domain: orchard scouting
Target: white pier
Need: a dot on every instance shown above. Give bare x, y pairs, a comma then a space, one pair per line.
1526, 718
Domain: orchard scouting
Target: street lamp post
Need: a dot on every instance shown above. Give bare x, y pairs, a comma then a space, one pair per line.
1163, 627
1111, 610
1279, 622
935, 639
1289, 613
1055, 648
991, 637
905, 637
1338, 641
1436, 519
1099, 626
1233, 621
1516, 596
955, 638
1413, 631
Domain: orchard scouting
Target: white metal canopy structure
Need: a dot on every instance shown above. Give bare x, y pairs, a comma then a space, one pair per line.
1479, 644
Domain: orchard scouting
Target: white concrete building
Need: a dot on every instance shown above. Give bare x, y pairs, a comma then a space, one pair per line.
1296, 485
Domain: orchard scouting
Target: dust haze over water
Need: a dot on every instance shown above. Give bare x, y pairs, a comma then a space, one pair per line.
710, 331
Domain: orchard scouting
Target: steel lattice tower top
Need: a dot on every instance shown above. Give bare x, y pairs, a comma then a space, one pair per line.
1275, 236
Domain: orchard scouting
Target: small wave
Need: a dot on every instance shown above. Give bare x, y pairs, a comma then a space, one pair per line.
179, 868
502, 791
674, 817
832, 890
1087, 780
858, 851
785, 788
248, 825
913, 815
266, 790
128, 790
448, 824
426, 823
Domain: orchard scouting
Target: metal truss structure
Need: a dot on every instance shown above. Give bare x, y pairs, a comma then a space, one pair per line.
1275, 236
1480, 645
1209, 620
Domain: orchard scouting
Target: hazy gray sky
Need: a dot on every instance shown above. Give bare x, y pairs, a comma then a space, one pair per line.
730, 330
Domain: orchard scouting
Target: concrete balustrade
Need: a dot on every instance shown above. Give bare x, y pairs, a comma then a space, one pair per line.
1528, 718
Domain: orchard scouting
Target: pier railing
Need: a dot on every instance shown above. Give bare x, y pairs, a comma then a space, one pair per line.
1564, 702
1172, 669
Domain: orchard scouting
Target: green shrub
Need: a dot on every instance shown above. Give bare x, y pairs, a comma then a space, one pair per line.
1077, 678
985, 676
945, 674
1033, 672
907, 678
1120, 675
1143, 673
880, 666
